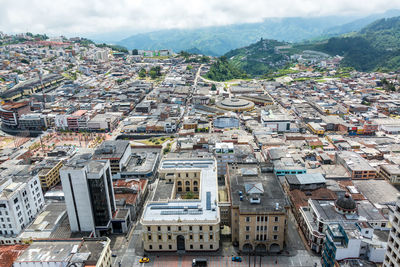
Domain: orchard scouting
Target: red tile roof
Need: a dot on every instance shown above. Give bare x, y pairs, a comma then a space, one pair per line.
9, 253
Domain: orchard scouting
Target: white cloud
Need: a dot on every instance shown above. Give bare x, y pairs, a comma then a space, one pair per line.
77, 17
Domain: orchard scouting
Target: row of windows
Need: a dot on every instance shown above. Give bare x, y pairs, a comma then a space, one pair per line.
180, 228
260, 228
211, 237
262, 219
190, 246
187, 183
195, 189
261, 237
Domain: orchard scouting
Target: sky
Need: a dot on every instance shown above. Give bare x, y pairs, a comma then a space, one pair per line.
95, 17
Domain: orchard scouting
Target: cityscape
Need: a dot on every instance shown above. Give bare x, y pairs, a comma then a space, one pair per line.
265, 151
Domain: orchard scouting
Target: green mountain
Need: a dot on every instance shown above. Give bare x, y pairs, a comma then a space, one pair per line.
376, 46
261, 57
218, 40
223, 70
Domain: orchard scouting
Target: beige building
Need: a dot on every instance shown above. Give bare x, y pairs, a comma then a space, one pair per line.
49, 175
184, 212
259, 209
390, 172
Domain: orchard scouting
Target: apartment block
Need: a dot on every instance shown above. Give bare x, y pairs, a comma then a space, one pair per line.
21, 198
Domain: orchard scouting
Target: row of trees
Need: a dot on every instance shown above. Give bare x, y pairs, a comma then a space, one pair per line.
154, 72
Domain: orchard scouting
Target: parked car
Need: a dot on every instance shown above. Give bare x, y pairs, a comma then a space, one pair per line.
237, 259
144, 260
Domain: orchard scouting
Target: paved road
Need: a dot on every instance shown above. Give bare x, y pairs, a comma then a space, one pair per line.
302, 259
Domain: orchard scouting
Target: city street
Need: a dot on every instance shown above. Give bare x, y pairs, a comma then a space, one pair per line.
301, 259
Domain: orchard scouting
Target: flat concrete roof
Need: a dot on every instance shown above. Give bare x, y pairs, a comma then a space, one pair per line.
273, 192
158, 212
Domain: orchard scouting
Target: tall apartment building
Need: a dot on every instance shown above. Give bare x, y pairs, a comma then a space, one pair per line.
184, 213
392, 257
259, 209
89, 195
21, 198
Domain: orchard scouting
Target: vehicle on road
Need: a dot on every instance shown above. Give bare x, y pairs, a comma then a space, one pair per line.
199, 262
144, 260
113, 255
237, 259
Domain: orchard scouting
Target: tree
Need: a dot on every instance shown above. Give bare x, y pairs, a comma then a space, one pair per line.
142, 73
213, 87
153, 74
24, 61
135, 52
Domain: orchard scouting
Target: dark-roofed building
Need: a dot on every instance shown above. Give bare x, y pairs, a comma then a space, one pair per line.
305, 181
259, 209
118, 152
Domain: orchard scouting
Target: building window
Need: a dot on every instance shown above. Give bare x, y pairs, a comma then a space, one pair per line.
247, 219
247, 228
179, 228
275, 228
187, 183
149, 237
169, 246
191, 237
276, 219
201, 228
159, 228
247, 237
211, 228
201, 246
201, 237
187, 189
150, 247
211, 237
159, 237
211, 247
275, 237
169, 228
148, 228
179, 183
187, 175
195, 189
160, 246
191, 246
169, 237
190, 228
179, 189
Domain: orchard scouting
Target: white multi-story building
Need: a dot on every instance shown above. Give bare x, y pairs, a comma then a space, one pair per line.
392, 257
89, 194
102, 55
21, 198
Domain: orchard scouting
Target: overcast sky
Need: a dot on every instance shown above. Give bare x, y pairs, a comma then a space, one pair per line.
87, 17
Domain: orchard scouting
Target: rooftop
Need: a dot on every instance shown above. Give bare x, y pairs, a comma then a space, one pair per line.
262, 185
203, 209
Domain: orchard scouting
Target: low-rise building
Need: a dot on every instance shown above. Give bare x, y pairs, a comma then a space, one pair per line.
358, 167
68, 252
